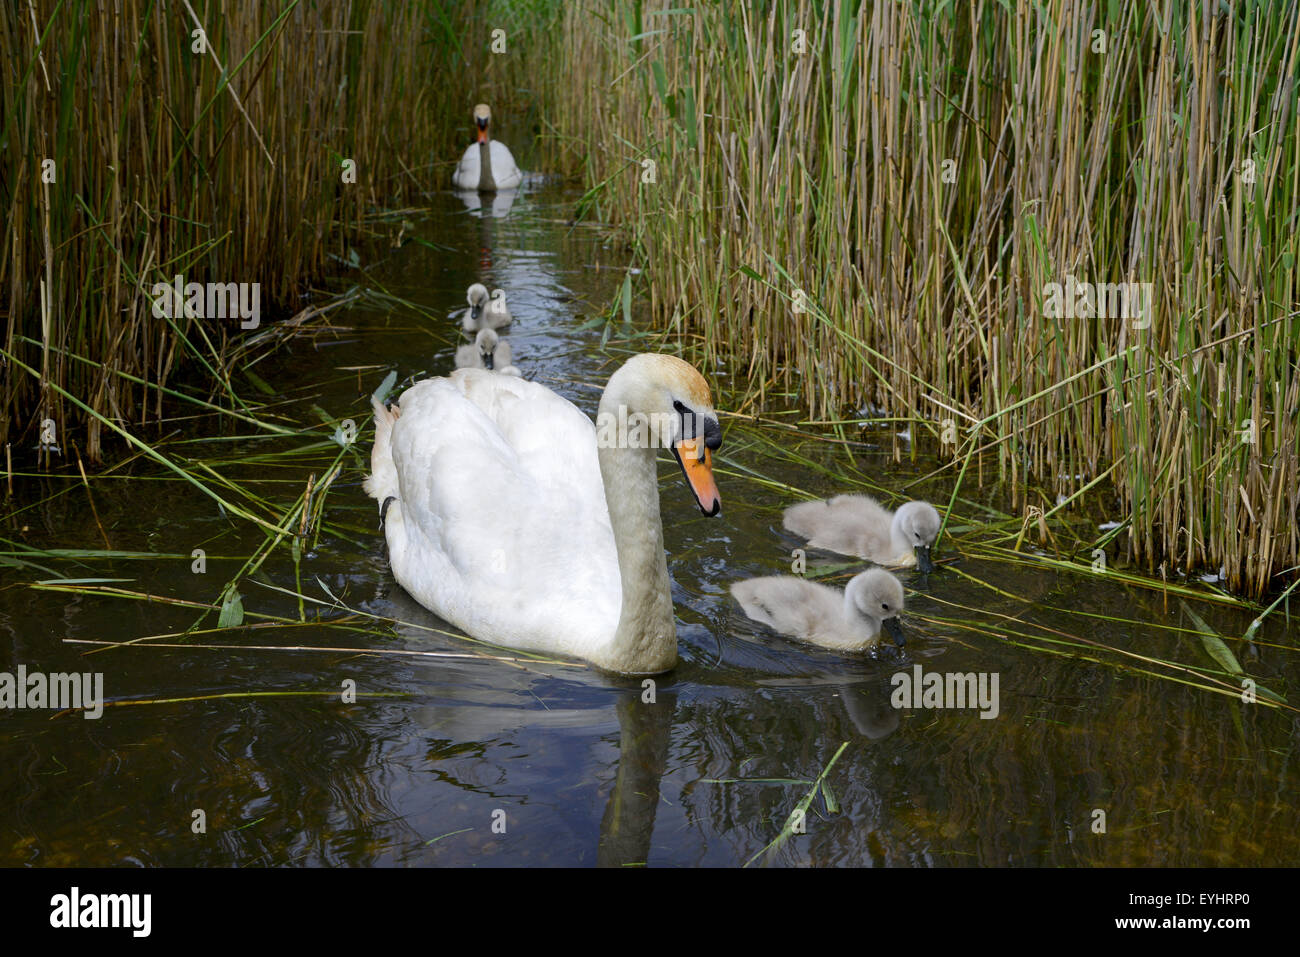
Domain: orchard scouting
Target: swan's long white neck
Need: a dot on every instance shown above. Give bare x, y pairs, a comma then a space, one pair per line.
646, 639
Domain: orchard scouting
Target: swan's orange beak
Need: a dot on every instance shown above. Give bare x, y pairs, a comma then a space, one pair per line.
696, 460
482, 134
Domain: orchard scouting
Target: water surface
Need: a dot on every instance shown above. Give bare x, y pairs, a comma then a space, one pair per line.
581, 770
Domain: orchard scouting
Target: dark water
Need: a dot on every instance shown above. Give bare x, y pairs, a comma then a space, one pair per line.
578, 767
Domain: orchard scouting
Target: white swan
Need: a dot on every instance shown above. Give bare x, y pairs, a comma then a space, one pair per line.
485, 312
578, 568
842, 621
488, 165
488, 351
859, 525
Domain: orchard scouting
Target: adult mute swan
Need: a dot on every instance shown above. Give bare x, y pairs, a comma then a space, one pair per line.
487, 166
578, 567
818, 614
485, 312
859, 525
489, 351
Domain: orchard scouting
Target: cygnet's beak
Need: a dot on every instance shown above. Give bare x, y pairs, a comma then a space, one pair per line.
488, 359
923, 563
894, 629
696, 460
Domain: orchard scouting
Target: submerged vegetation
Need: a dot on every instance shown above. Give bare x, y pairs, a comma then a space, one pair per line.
870, 203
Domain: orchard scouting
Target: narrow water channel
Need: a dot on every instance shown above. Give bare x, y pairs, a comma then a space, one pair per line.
471, 760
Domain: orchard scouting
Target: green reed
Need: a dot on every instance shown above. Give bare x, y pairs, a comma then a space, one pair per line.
869, 212
132, 154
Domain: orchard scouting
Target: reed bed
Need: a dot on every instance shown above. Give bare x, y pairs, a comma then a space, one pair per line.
222, 162
865, 203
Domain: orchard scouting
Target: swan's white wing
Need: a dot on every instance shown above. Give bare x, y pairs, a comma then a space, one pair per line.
504, 170
467, 173
501, 525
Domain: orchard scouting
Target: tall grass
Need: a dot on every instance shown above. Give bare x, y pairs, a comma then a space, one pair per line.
874, 220
224, 165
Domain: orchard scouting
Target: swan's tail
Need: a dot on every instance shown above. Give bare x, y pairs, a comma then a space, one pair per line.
381, 484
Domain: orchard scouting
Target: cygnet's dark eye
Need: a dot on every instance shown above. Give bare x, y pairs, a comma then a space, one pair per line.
884, 607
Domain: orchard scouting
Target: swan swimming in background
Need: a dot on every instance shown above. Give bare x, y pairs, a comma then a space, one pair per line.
485, 312
859, 525
578, 568
851, 620
487, 165
488, 351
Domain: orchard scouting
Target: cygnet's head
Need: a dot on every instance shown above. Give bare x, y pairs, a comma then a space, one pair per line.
486, 342
666, 404
877, 596
917, 524
477, 297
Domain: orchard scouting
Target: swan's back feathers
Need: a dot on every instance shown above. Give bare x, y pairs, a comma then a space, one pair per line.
505, 173
490, 466
550, 436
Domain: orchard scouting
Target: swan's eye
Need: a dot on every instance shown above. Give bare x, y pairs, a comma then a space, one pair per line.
690, 425
695, 424
884, 607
